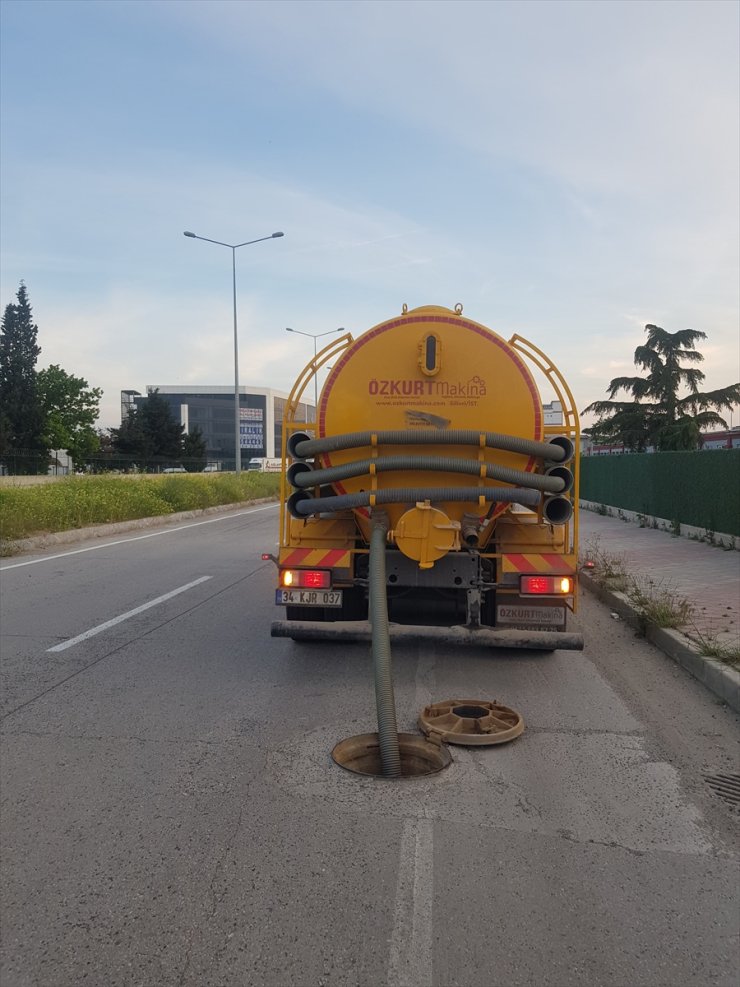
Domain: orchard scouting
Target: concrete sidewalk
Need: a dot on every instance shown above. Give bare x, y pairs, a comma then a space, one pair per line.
705, 575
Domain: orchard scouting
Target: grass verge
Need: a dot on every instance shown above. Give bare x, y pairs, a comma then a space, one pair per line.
655, 601
711, 647
658, 602
76, 502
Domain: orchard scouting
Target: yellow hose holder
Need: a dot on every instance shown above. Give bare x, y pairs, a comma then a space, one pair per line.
425, 534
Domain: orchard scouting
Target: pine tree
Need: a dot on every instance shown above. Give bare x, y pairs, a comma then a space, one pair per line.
194, 450
21, 411
129, 439
163, 432
657, 415
150, 432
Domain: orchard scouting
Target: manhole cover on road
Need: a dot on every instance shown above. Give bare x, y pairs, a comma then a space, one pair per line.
471, 721
726, 786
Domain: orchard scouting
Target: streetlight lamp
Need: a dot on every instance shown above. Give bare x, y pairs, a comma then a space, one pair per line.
314, 337
233, 247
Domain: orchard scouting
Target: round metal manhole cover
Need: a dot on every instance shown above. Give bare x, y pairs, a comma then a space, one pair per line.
471, 721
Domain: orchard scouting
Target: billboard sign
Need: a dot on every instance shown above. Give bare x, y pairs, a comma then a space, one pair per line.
251, 428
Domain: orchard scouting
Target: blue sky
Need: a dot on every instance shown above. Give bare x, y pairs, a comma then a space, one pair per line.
567, 171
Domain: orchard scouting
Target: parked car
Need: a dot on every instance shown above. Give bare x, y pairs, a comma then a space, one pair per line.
175, 469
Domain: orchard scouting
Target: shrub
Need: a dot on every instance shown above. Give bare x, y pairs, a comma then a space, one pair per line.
76, 502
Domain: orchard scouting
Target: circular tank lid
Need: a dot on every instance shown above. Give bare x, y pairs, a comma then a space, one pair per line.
471, 722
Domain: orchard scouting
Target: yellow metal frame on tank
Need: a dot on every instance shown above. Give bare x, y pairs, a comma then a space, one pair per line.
294, 534
342, 531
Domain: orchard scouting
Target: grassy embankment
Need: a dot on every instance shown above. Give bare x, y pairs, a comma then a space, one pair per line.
76, 502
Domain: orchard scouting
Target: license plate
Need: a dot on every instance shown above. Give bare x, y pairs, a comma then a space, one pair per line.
309, 597
534, 616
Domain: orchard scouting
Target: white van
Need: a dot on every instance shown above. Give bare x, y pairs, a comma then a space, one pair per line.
265, 465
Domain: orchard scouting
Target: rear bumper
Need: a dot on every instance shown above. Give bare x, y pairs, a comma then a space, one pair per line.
487, 637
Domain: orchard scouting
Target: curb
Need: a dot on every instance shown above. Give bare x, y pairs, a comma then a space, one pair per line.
720, 679
50, 539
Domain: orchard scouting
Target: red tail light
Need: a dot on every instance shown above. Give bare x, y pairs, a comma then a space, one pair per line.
546, 585
316, 579
306, 578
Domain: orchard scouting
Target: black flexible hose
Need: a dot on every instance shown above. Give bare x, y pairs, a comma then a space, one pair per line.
306, 448
303, 478
302, 504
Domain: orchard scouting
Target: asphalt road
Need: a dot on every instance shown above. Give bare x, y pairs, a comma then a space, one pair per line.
171, 814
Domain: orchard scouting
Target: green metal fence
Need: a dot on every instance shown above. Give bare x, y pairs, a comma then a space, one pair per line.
698, 488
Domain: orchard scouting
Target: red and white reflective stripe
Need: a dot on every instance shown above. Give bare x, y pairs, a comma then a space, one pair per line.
544, 562
333, 558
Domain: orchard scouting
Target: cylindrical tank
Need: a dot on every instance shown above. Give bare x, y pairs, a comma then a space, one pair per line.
435, 370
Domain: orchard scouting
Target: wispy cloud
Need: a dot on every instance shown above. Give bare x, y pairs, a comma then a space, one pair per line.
566, 170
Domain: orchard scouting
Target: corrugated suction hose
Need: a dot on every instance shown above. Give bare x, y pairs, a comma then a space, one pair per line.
300, 446
302, 504
390, 755
300, 475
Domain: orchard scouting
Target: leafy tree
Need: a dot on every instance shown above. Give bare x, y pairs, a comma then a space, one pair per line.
21, 410
194, 450
150, 431
71, 410
101, 457
657, 415
105, 441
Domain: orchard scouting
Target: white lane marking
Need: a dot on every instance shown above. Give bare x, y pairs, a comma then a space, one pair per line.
124, 616
410, 960
122, 541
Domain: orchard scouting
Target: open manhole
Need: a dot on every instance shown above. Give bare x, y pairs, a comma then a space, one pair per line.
471, 721
419, 757
726, 786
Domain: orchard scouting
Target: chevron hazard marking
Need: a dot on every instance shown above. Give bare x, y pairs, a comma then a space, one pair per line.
545, 562
332, 558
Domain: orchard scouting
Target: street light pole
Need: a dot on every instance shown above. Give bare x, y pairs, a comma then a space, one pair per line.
314, 337
233, 247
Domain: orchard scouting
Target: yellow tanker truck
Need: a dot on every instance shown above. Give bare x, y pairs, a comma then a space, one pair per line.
431, 428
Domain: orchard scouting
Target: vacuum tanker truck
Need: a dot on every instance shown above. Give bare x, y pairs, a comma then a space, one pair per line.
432, 425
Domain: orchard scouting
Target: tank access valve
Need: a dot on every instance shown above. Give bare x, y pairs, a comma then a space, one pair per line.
425, 534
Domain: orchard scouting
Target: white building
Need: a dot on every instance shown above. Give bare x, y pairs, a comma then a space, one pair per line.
211, 409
